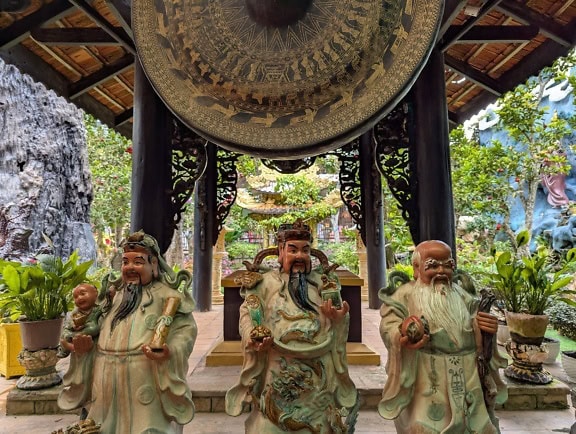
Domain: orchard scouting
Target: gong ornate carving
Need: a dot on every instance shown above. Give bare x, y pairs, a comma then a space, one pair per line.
283, 78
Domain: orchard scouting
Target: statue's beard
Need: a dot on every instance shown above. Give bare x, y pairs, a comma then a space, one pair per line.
444, 308
298, 290
131, 297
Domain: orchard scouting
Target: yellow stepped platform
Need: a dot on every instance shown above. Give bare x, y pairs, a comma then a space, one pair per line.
228, 353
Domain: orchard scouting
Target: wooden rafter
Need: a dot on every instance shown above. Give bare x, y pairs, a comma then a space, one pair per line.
100, 76
20, 29
548, 27
119, 35
73, 36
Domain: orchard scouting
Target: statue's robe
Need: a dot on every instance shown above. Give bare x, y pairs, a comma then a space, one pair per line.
301, 384
127, 392
437, 388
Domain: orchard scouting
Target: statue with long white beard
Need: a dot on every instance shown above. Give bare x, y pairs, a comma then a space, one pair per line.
294, 328
433, 332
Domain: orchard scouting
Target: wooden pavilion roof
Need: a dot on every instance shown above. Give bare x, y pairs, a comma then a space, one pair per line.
85, 51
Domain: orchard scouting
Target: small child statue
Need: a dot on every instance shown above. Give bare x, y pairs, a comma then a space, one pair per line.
84, 318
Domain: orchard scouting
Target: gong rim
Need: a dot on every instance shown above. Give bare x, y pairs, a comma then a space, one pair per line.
279, 132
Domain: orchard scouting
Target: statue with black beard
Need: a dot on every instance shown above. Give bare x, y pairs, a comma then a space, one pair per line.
295, 371
433, 383
131, 387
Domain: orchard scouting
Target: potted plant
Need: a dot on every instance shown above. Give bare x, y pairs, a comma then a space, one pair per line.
38, 293
527, 286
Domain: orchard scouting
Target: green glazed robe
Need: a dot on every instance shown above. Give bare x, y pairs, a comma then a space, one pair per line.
301, 384
435, 389
128, 393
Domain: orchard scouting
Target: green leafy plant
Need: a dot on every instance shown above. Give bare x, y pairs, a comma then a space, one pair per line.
42, 289
531, 283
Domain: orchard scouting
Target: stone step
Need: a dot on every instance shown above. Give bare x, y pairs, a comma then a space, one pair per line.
209, 386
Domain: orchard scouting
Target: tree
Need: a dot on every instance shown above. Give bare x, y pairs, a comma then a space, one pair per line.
487, 178
481, 182
110, 158
537, 137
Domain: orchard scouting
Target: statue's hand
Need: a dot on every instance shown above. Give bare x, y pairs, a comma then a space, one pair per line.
406, 343
336, 315
158, 355
486, 322
263, 345
68, 346
81, 344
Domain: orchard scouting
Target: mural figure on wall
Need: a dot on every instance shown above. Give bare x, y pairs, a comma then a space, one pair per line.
433, 329
555, 185
294, 328
133, 375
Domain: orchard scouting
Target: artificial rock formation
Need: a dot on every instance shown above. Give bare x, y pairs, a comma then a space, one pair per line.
45, 182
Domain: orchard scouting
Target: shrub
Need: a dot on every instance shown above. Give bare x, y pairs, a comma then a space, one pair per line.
240, 250
343, 253
563, 319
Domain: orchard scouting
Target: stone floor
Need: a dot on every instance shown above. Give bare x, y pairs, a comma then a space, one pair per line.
368, 378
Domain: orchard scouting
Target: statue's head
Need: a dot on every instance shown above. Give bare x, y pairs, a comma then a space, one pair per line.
85, 296
294, 247
140, 254
432, 261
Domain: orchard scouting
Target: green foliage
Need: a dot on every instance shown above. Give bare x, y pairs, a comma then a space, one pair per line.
328, 164
110, 157
396, 231
481, 179
247, 165
242, 250
476, 261
404, 268
342, 253
40, 290
563, 319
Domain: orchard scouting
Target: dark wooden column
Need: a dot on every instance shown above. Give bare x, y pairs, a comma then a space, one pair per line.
431, 148
204, 231
371, 193
151, 162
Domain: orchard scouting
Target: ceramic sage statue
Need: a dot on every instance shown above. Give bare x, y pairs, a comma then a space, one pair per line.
442, 374
133, 374
294, 328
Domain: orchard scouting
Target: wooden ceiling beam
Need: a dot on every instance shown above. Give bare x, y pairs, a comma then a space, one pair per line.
122, 10
543, 56
453, 119
495, 34
35, 67
121, 36
474, 75
451, 10
549, 27
124, 117
20, 29
43, 73
103, 74
446, 41
73, 36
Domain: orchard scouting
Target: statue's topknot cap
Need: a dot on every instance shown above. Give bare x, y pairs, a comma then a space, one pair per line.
294, 231
140, 241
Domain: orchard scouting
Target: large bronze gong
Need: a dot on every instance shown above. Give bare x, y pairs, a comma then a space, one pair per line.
283, 78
